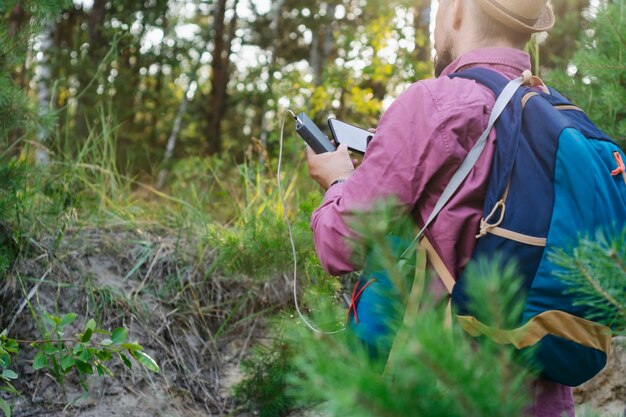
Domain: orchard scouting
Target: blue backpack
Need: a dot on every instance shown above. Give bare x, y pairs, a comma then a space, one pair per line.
555, 178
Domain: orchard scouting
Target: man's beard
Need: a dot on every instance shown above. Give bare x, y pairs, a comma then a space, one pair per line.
443, 59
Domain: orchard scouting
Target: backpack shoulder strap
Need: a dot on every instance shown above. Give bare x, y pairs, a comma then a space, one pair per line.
504, 97
489, 78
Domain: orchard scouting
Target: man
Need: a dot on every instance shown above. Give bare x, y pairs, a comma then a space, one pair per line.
423, 137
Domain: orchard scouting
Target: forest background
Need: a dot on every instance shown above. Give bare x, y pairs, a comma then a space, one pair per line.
139, 147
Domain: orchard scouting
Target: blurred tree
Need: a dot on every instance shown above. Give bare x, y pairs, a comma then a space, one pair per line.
596, 79
277, 6
112, 56
20, 22
421, 13
223, 36
96, 23
44, 93
560, 44
342, 57
137, 60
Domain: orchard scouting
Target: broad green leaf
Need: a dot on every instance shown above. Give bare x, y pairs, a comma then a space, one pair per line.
119, 336
146, 361
6, 409
49, 348
53, 320
132, 346
91, 325
67, 362
104, 355
40, 361
67, 319
86, 354
9, 374
106, 342
86, 336
84, 367
126, 361
100, 370
11, 346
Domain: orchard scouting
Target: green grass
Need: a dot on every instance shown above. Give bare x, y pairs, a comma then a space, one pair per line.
210, 251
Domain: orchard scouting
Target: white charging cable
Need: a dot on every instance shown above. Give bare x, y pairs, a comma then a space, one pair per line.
293, 245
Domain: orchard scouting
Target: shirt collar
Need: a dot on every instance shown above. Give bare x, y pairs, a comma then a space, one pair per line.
508, 60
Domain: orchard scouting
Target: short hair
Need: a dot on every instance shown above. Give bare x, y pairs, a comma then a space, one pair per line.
491, 29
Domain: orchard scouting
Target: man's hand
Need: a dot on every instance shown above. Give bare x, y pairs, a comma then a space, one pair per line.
328, 167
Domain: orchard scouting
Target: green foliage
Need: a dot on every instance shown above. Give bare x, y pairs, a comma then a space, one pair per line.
8, 348
90, 177
560, 45
595, 80
596, 270
254, 240
12, 180
20, 21
435, 372
260, 247
58, 355
264, 388
505, 313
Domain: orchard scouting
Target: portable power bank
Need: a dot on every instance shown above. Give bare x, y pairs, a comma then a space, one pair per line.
312, 135
354, 137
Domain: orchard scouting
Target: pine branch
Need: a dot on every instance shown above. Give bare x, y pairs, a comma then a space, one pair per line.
618, 261
598, 288
615, 29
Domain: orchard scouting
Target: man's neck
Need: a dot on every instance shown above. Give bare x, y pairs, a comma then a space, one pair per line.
470, 45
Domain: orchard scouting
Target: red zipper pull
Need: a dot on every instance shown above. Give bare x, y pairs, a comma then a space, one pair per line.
620, 164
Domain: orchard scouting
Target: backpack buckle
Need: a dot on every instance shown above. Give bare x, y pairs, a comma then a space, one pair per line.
485, 226
532, 80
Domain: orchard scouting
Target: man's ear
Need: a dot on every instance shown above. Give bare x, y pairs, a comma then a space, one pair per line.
458, 8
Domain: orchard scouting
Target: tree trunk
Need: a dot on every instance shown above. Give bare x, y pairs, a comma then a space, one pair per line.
17, 19
278, 5
421, 22
219, 75
97, 43
96, 21
322, 46
44, 94
171, 141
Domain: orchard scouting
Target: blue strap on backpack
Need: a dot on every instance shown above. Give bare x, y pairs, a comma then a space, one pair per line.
555, 178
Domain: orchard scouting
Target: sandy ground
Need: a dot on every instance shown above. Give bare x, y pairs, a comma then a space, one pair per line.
607, 391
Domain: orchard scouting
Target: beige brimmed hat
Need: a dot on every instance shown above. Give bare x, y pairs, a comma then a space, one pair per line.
521, 15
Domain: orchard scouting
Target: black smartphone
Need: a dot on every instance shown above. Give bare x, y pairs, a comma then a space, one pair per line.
356, 138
